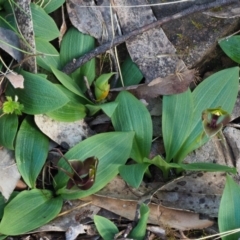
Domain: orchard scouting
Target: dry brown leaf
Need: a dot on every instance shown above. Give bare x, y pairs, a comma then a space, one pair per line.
159, 215
15, 79
91, 19
171, 84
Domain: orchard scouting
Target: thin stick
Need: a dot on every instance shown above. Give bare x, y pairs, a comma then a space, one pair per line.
90, 94
72, 66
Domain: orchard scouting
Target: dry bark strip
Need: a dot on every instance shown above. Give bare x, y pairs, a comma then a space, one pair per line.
25, 25
72, 66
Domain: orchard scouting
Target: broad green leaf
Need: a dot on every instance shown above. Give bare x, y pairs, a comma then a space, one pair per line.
218, 90
70, 112
176, 121
28, 211
43, 25
49, 56
105, 227
51, 5
72, 96
8, 126
107, 108
208, 167
112, 149
31, 151
132, 115
2, 237
133, 174
39, 95
3, 202
139, 231
231, 46
68, 82
229, 211
130, 73
74, 45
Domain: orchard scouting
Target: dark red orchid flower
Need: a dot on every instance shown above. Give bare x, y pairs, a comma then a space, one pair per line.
84, 173
214, 120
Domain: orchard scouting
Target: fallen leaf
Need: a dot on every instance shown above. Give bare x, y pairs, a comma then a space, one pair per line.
63, 132
15, 79
91, 19
8, 172
166, 217
172, 84
10, 43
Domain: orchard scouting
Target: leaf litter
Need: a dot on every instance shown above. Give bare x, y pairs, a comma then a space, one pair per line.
123, 202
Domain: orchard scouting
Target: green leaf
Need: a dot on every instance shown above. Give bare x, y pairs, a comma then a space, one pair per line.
31, 151
139, 231
231, 46
74, 45
72, 96
68, 83
49, 55
51, 6
208, 167
8, 126
28, 211
107, 108
2, 205
70, 112
2, 237
229, 211
132, 115
105, 227
43, 25
3, 202
130, 73
159, 162
39, 95
133, 174
112, 149
176, 121
218, 90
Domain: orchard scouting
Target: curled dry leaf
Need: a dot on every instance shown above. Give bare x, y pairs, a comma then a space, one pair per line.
8, 172
15, 79
172, 84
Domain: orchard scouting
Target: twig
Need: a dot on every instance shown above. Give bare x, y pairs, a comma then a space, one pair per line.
72, 66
